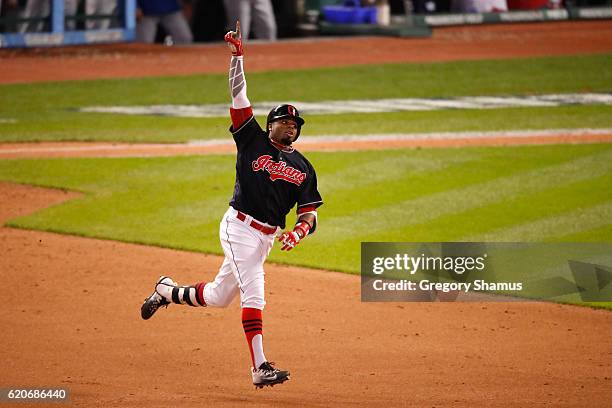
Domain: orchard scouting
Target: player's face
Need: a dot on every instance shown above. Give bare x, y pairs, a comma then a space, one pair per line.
283, 131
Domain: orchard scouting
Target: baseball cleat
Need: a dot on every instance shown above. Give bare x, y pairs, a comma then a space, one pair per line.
155, 301
267, 375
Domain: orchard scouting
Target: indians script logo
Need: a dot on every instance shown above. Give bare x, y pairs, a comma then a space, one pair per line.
278, 170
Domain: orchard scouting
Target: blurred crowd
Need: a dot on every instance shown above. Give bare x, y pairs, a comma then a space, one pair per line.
175, 21
185, 21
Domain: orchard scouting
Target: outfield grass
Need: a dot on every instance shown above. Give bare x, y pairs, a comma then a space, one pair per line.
48, 111
529, 193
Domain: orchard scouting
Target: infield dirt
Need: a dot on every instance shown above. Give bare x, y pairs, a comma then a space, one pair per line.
71, 319
71, 312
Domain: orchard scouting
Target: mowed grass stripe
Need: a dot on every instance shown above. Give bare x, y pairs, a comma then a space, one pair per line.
515, 216
429, 207
467, 166
573, 222
470, 225
373, 170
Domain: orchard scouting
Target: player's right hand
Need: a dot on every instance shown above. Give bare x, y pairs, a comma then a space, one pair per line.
234, 40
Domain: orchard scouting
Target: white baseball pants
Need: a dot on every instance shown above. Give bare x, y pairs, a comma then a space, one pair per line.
242, 271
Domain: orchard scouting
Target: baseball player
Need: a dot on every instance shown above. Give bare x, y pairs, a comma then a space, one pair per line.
271, 178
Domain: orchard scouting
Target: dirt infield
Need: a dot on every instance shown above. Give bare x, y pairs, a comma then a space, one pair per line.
71, 319
447, 44
71, 311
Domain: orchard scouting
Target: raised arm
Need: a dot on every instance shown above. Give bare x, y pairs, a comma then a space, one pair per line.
241, 106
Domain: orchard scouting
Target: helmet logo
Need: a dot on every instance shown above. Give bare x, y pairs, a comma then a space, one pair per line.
291, 110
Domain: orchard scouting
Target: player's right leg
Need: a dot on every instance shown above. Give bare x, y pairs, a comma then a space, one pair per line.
167, 291
156, 300
218, 293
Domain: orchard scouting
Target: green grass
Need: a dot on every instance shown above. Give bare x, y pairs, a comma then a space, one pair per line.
544, 193
47, 111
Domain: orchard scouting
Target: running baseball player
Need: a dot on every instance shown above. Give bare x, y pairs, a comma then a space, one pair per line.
271, 178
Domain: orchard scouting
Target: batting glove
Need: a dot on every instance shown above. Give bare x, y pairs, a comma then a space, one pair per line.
290, 239
234, 41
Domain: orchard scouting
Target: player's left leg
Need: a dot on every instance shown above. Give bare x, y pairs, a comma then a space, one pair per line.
248, 249
252, 300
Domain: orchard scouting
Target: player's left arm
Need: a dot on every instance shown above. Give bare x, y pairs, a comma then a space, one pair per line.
308, 202
305, 225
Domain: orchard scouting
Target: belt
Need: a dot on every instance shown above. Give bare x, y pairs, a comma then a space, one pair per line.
256, 225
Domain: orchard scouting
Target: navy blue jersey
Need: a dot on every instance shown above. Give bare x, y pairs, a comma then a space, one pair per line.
269, 182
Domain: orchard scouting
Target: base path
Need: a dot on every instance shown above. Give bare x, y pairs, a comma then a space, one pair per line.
309, 144
72, 320
447, 44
